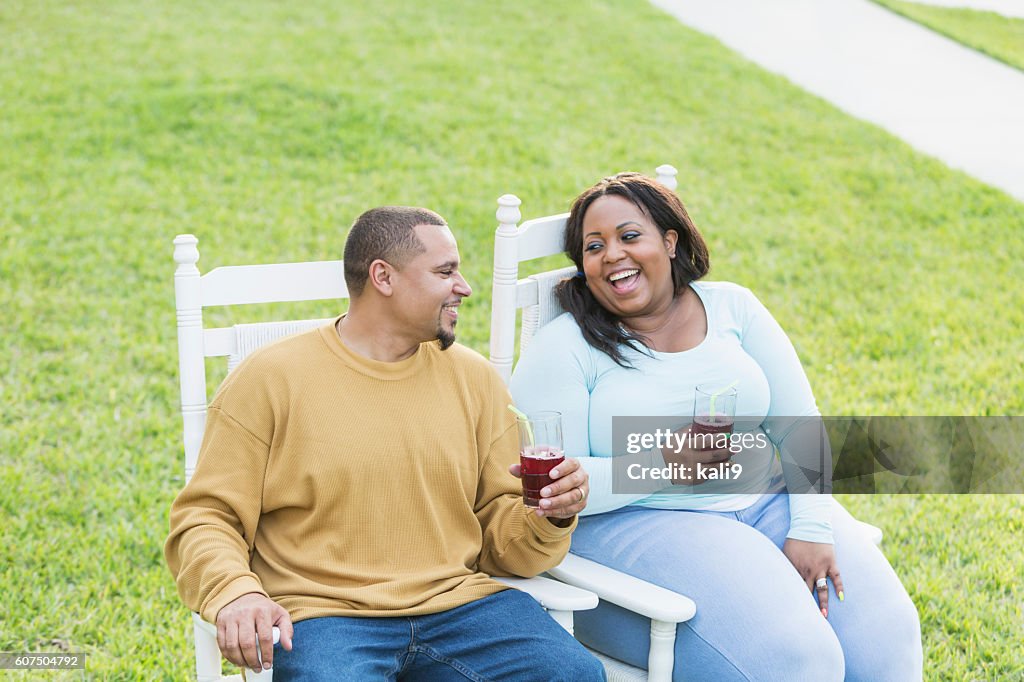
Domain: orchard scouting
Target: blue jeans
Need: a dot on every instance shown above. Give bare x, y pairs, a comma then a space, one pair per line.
756, 619
505, 636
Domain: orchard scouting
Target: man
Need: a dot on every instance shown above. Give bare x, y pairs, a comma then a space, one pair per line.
359, 481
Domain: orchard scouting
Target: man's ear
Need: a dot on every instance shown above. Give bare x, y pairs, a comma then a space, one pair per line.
381, 273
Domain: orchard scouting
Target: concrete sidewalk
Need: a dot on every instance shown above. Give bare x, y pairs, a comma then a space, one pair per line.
944, 99
1008, 8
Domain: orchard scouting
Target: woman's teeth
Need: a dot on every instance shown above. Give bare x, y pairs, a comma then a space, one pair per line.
623, 278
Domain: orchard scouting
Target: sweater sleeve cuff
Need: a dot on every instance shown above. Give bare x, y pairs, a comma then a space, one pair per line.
810, 518
232, 591
545, 530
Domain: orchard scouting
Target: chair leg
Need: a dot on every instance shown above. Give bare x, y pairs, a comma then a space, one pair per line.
563, 618
661, 659
207, 655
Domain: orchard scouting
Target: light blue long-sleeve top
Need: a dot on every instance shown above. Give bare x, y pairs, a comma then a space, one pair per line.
560, 371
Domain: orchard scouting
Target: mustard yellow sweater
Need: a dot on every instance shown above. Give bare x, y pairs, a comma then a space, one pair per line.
339, 485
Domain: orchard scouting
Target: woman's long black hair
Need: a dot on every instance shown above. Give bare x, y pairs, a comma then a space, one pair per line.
600, 327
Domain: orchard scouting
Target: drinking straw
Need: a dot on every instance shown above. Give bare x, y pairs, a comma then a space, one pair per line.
522, 415
714, 396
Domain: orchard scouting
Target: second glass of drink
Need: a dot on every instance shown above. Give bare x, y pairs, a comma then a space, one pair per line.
714, 409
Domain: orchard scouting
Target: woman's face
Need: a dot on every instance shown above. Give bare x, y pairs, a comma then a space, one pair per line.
626, 258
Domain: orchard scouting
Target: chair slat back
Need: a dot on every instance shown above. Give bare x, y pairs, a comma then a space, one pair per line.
512, 246
545, 307
231, 286
274, 283
249, 337
541, 237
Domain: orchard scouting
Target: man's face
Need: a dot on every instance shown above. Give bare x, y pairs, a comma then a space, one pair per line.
429, 288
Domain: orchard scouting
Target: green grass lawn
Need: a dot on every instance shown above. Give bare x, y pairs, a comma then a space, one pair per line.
988, 32
265, 128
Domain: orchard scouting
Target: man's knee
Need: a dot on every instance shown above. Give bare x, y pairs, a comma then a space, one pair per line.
562, 658
572, 663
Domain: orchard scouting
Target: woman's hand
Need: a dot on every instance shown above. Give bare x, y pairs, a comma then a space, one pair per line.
691, 458
815, 561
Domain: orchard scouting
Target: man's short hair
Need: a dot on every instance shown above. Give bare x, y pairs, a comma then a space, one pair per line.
385, 233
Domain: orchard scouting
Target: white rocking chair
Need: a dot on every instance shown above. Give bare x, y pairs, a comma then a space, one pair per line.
537, 238
285, 282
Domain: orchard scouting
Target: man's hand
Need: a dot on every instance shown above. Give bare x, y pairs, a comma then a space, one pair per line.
815, 562
245, 625
567, 494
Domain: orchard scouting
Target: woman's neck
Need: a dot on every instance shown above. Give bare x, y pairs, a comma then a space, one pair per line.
671, 328
660, 319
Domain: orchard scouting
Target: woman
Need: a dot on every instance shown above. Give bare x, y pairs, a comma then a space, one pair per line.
640, 333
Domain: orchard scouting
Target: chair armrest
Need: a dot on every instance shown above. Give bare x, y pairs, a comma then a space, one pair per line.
553, 595
631, 593
874, 533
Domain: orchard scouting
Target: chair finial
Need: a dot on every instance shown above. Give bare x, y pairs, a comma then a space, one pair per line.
185, 250
508, 210
667, 176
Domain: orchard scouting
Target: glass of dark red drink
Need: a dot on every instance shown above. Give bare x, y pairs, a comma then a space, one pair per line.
540, 451
714, 414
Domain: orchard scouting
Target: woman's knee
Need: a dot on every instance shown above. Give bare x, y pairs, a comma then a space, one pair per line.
782, 653
892, 651
816, 655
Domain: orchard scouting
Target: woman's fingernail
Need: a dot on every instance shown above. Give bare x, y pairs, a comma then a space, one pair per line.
824, 612
554, 473
841, 597
545, 503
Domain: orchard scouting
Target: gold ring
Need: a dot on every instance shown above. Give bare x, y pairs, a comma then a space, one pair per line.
582, 495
